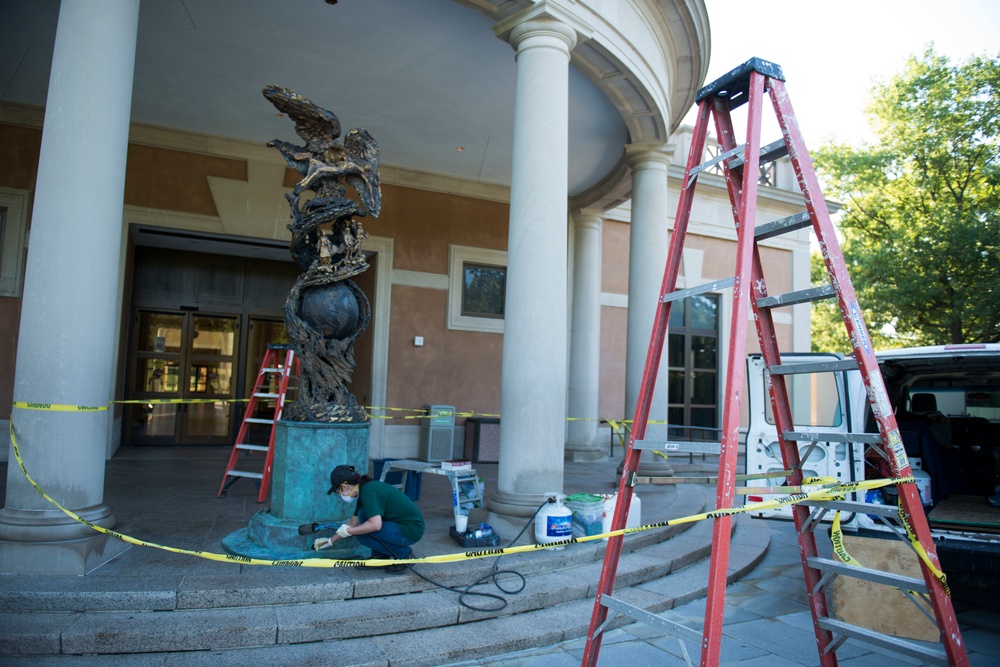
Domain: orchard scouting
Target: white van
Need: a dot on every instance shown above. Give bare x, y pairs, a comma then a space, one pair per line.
947, 405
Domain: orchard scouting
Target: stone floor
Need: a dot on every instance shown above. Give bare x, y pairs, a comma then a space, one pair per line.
767, 624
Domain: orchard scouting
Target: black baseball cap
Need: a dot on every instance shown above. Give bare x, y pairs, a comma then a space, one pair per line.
341, 474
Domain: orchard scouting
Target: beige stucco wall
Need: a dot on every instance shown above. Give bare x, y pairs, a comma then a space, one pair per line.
189, 182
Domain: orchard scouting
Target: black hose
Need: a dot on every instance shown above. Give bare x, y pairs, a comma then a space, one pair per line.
494, 571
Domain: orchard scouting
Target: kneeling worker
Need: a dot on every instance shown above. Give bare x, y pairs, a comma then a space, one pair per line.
385, 520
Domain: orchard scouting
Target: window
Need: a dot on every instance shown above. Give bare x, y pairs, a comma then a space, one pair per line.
483, 290
693, 368
13, 224
814, 399
477, 280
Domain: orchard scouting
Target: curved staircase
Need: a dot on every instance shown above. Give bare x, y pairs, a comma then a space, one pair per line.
356, 617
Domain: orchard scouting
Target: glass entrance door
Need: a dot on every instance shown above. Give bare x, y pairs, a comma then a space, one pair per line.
189, 359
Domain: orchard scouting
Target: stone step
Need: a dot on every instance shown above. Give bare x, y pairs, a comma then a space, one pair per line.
425, 627
239, 586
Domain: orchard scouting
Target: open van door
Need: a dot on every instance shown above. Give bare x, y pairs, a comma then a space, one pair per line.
820, 402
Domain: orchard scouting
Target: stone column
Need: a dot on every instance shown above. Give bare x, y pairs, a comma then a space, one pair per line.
648, 244
65, 347
533, 392
585, 339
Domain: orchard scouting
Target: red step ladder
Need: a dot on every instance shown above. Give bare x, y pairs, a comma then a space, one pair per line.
272, 372
752, 83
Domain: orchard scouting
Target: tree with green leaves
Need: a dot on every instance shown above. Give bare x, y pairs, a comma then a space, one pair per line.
921, 219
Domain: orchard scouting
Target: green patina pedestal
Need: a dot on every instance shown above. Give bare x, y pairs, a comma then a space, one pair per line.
304, 455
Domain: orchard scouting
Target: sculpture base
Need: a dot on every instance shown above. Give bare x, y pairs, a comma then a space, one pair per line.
304, 455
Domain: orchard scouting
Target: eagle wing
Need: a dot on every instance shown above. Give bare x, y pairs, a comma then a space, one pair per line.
362, 149
318, 126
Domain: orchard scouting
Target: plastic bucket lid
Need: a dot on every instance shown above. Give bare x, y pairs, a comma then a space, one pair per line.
584, 499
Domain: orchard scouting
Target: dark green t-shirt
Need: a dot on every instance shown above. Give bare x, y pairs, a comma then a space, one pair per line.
385, 500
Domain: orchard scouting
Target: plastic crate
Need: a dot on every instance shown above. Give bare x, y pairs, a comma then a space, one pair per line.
395, 477
468, 540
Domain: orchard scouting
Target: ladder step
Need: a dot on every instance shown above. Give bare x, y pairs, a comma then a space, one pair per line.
930, 653
266, 395
683, 447
821, 436
640, 614
258, 420
769, 153
245, 473
818, 367
791, 223
700, 289
802, 296
732, 152
737, 157
868, 574
851, 506
252, 448
272, 370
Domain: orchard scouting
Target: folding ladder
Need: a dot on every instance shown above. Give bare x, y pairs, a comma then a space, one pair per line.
752, 83
273, 374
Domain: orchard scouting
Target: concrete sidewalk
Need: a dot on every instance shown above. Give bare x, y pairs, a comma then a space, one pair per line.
767, 624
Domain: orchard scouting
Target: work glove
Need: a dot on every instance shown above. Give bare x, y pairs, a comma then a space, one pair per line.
342, 530
322, 543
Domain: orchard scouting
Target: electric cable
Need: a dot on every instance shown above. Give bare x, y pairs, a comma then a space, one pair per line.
494, 571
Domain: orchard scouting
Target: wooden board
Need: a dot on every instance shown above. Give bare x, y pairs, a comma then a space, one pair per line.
966, 513
878, 607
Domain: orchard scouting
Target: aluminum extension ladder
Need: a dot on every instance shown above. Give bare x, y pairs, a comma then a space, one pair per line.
752, 83
270, 369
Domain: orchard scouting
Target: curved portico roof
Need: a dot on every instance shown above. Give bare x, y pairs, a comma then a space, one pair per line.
429, 78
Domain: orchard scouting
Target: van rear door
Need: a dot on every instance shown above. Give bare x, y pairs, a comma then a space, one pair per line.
819, 404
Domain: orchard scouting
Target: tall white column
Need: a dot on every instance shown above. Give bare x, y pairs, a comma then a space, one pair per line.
648, 244
585, 339
533, 391
65, 346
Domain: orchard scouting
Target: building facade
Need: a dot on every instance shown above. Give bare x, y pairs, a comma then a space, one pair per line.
145, 251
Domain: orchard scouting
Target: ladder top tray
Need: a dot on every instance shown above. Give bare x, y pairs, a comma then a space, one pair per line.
735, 83
424, 466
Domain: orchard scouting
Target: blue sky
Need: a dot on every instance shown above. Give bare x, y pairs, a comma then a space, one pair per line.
831, 52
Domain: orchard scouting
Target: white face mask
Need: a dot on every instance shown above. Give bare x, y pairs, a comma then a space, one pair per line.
346, 498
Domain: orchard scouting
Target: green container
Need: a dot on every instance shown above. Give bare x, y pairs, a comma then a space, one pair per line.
588, 513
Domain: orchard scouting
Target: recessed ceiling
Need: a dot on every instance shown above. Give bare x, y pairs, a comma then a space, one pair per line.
425, 78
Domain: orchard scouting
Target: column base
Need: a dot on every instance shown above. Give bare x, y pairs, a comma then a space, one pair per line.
77, 557
658, 468
510, 513
50, 542
584, 452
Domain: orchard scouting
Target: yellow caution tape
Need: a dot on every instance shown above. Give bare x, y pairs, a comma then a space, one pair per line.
837, 538
823, 494
921, 552
57, 407
420, 413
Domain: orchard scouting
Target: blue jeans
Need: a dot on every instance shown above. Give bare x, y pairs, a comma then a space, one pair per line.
388, 541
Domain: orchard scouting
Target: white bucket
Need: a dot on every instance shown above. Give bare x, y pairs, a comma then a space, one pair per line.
634, 518
461, 523
554, 522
